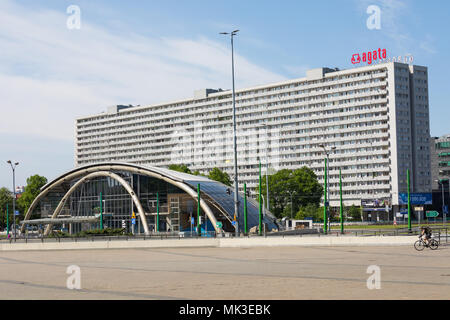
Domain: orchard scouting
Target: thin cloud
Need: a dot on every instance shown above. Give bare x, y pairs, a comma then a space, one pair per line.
428, 45
50, 75
297, 71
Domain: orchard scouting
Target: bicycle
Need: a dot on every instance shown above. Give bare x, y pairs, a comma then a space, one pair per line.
419, 245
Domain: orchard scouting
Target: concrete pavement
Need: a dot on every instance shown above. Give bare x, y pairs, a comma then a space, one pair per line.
283, 272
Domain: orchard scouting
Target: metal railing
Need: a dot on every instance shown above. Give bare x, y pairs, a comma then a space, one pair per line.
439, 233
91, 238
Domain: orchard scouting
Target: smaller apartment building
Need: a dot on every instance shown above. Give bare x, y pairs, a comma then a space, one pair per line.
440, 151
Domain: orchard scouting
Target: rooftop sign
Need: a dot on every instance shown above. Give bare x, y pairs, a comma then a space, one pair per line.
369, 57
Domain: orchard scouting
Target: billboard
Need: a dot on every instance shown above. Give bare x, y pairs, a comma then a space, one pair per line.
416, 198
375, 203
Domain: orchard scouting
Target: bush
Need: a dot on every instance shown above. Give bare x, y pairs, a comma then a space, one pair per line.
104, 232
59, 234
90, 233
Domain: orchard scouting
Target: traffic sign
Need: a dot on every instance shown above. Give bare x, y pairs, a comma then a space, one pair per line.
404, 211
432, 214
446, 209
133, 220
233, 223
133, 216
219, 225
16, 213
192, 221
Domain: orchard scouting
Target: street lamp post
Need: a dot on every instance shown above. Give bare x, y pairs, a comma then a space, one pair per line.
264, 206
448, 180
102, 207
13, 167
236, 189
264, 213
103, 212
261, 226
326, 184
267, 170
292, 204
444, 215
267, 185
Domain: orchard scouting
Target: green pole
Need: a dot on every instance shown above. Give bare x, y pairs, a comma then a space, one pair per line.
245, 209
260, 202
198, 210
157, 212
409, 200
325, 200
101, 211
7, 221
341, 204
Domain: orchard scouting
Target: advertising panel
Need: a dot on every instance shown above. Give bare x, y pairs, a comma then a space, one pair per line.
416, 198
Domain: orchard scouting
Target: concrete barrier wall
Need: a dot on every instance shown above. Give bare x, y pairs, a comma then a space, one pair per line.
116, 244
318, 241
217, 243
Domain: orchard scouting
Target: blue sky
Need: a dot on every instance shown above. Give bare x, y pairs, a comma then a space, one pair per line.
142, 52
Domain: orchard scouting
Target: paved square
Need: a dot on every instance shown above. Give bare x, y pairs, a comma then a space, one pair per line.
228, 273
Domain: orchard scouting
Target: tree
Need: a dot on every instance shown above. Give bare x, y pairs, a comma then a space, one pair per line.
198, 173
354, 212
185, 169
6, 197
218, 175
301, 182
32, 190
310, 211
180, 168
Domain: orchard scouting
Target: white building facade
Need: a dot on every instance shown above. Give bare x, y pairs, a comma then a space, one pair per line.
372, 120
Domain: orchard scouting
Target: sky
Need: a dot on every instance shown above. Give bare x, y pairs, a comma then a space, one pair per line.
146, 52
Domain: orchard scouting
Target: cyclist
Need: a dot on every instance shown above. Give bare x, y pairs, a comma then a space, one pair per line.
426, 234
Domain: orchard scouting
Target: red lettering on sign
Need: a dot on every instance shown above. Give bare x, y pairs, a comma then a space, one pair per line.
370, 56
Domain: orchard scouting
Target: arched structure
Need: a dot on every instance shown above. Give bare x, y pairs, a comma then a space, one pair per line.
216, 201
95, 175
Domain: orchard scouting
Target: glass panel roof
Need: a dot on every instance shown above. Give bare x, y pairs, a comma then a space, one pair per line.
218, 192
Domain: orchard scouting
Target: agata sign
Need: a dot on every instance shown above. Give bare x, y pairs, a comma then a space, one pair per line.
369, 56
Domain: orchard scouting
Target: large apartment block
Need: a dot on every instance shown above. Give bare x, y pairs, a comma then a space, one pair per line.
373, 122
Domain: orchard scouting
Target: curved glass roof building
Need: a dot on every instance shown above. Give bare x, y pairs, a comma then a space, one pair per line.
140, 198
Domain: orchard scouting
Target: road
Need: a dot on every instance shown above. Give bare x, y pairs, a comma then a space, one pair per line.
228, 273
